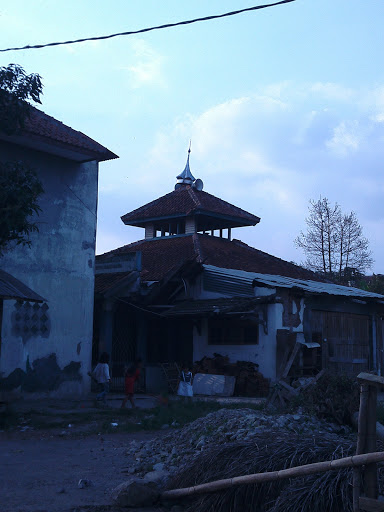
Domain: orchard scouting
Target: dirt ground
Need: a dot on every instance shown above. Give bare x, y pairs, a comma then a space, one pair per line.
47, 446
41, 472
40, 467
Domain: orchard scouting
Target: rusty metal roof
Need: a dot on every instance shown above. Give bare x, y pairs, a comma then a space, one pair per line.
13, 289
229, 276
224, 305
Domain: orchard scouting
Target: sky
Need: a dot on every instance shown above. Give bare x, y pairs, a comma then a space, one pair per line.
282, 105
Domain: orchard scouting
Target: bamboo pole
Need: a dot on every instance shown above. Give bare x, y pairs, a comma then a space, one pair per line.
271, 476
361, 438
370, 473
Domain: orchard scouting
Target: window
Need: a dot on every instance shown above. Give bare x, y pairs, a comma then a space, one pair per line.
232, 331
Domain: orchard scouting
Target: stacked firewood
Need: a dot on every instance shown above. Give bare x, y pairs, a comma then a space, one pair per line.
249, 381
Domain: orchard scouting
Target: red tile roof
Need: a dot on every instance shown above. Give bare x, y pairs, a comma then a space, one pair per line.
42, 132
12, 288
184, 201
160, 256
107, 281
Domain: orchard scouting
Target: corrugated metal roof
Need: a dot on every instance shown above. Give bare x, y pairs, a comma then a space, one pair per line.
276, 281
12, 288
207, 306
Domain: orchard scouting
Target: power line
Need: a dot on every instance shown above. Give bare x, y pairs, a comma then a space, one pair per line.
149, 29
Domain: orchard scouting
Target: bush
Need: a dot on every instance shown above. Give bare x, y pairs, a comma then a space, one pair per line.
333, 398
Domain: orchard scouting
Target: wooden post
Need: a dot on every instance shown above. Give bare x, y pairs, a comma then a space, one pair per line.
366, 442
361, 437
371, 484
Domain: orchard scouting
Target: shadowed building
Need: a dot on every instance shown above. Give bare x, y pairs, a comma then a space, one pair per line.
46, 336
189, 290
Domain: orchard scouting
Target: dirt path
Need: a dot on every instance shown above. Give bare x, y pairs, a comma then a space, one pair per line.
40, 473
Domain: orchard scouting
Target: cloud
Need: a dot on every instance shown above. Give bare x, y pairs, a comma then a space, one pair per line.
347, 137
332, 91
148, 67
270, 152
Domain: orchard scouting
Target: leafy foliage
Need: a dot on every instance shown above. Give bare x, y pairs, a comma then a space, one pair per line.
19, 192
374, 283
19, 184
333, 398
16, 90
334, 243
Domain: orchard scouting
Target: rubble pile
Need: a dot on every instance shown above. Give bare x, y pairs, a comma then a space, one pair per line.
249, 381
157, 459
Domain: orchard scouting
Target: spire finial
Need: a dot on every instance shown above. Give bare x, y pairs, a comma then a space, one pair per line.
185, 178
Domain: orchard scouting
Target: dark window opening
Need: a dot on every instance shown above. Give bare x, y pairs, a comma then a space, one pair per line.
224, 331
169, 228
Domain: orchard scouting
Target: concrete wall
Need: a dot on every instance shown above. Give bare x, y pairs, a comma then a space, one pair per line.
263, 353
60, 267
286, 315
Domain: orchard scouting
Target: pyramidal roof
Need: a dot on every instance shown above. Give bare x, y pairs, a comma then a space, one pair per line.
161, 255
185, 201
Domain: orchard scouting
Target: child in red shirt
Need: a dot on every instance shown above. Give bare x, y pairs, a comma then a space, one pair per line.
131, 376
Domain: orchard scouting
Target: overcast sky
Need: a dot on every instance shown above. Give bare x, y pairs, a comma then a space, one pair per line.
282, 105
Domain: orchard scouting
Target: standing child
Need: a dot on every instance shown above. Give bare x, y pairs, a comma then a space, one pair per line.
131, 376
185, 382
101, 374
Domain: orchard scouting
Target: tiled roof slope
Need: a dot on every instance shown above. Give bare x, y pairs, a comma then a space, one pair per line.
47, 130
12, 288
160, 256
184, 201
107, 281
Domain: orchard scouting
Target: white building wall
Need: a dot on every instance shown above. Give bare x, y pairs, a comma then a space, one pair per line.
263, 353
60, 267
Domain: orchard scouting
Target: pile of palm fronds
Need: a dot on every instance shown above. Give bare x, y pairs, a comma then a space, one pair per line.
272, 451
333, 398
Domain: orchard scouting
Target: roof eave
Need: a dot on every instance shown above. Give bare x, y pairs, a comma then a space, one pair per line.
61, 149
237, 220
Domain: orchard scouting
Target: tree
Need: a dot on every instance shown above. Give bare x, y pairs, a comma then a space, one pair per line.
16, 90
19, 184
19, 191
334, 243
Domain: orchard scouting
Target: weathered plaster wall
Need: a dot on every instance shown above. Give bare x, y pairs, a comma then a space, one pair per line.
263, 353
287, 314
59, 266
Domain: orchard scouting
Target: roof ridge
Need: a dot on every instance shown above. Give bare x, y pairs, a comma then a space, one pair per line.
194, 197
197, 247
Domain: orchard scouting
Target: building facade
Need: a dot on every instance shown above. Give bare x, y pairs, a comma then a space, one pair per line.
46, 346
198, 292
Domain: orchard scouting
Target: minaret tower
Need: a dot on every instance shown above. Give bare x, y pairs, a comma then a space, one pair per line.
188, 210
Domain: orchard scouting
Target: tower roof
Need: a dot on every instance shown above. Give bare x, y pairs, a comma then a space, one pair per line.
188, 201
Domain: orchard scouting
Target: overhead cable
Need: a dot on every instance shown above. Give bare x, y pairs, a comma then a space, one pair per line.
149, 29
